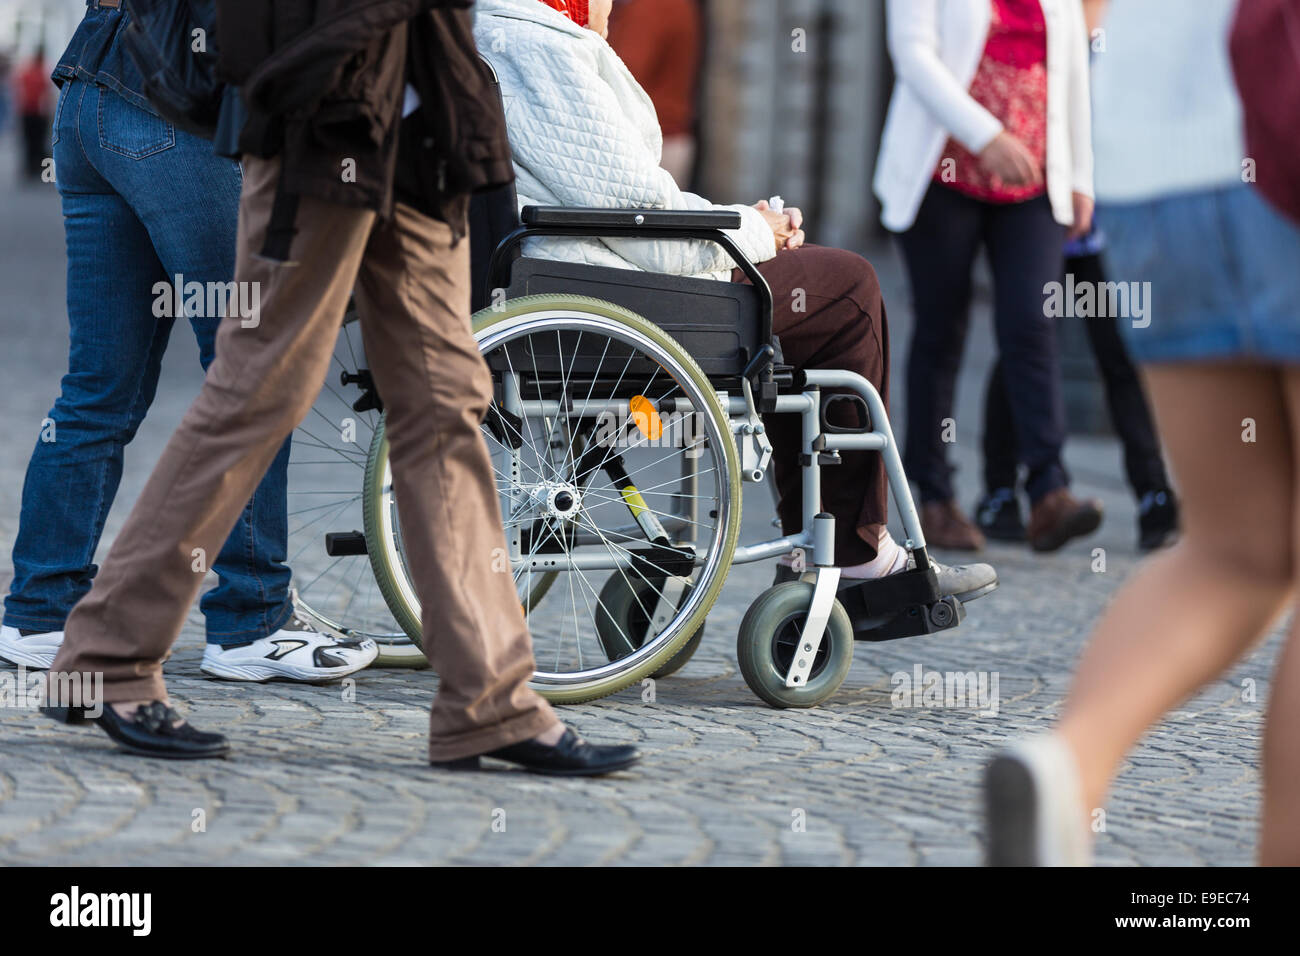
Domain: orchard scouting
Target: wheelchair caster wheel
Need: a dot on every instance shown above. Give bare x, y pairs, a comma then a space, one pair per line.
623, 617
769, 639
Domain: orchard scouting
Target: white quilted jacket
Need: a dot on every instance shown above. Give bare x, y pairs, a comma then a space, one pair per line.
584, 133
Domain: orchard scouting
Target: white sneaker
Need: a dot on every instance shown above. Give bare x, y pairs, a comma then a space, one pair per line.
1033, 808
29, 650
295, 652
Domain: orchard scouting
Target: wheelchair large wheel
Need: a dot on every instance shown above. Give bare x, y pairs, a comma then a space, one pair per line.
333, 584
613, 456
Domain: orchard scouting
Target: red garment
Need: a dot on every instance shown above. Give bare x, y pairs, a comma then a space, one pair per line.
1011, 83
660, 41
1266, 58
34, 87
575, 10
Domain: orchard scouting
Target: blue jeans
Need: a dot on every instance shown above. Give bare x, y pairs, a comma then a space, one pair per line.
1219, 270
142, 202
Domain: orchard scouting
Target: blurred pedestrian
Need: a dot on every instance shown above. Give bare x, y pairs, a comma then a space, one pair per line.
33, 107
395, 94
6, 69
997, 513
987, 144
1220, 352
661, 41
143, 203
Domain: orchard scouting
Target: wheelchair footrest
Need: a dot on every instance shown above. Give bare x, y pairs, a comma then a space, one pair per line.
907, 604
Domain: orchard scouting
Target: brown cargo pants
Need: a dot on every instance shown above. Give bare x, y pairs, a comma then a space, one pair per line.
412, 290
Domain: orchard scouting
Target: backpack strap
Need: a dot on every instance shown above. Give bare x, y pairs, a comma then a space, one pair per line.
282, 227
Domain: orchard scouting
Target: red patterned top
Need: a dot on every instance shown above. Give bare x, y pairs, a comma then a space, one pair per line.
1011, 83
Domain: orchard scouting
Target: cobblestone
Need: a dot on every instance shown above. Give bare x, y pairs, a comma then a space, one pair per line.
316, 779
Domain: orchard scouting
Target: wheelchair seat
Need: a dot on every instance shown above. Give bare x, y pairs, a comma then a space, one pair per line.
718, 323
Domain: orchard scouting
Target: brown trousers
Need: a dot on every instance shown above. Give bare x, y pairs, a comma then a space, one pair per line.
842, 325
412, 290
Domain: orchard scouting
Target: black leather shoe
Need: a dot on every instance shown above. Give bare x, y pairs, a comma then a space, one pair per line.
570, 757
997, 514
150, 732
1157, 519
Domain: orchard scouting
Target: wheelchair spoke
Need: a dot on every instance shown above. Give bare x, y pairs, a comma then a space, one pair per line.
660, 514
626, 580
566, 496
522, 437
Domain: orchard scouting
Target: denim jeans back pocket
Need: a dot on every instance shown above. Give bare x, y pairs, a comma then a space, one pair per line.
129, 130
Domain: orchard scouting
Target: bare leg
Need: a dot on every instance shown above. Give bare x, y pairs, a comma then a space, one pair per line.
1192, 611
1279, 843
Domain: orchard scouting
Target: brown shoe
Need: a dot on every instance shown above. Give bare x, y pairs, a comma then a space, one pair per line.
1059, 516
946, 526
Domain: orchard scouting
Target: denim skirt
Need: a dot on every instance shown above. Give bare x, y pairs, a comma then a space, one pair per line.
1205, 276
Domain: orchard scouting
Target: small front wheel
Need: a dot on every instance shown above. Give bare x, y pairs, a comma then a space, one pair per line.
623, 612
769, 639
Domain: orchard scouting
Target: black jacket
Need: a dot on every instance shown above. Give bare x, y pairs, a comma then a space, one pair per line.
322, 83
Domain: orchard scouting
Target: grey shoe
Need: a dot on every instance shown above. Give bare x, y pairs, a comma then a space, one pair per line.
965, 582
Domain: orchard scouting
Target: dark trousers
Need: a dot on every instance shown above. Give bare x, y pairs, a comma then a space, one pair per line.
1024, 246
1129, 411
36, 143
829, 314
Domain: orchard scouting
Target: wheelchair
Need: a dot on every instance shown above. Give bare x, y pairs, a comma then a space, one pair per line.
620, 446
628, 411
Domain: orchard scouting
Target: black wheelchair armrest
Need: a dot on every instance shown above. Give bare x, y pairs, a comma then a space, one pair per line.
649, 220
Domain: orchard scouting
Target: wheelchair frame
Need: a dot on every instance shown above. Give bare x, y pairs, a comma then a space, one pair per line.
795, 642
769, 388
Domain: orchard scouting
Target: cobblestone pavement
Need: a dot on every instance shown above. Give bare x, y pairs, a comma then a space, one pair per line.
317, 779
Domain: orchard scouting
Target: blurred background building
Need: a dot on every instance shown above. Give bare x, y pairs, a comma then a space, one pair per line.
792, 102
26, 25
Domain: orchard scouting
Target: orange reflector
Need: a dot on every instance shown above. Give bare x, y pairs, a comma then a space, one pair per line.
646, 417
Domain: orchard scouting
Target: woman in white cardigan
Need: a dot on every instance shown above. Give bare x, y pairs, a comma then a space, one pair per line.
584, 133
987, 144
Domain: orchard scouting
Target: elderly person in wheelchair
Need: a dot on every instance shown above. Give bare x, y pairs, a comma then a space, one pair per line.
584, 133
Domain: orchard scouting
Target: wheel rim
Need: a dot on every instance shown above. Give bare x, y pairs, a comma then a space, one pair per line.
785, 643
559, 510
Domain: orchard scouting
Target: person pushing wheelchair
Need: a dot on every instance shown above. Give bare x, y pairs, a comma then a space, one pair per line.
364, 130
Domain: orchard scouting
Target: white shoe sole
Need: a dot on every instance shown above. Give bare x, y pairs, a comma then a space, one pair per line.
976, 593
19, 658
262, 671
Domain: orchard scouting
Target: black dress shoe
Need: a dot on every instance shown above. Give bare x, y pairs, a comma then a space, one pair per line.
150, 732
1157, 519
570, 757
997, 514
